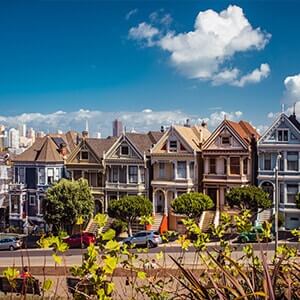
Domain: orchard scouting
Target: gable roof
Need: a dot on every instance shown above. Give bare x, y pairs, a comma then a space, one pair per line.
100, 146
292, 120
193, 136
243, 130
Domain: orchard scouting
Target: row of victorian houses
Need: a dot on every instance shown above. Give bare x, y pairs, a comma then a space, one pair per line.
162, 165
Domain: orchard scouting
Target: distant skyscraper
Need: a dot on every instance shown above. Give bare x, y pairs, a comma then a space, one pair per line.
14, 138
22, 130
117, 127
98, 135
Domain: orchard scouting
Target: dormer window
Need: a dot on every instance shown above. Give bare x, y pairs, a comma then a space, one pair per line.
124, 150
283, 135
225, 140
173, 146
84, 155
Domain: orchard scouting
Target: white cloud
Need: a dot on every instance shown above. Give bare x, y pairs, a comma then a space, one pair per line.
204, 52
141, 121
292, 88
131, 13
255, 76
144, 32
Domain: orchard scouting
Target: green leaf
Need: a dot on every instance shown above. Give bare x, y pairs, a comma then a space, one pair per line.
47, 284
57, 259
79, 220
141, 275
112, 245
110, 264
108, 235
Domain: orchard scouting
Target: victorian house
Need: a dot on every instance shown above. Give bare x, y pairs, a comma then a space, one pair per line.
177, 168
127, 163
87, 161
280, 145
229, 157
33, 172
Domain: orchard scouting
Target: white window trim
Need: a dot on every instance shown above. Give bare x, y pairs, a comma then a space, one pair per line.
30, 200
282, 129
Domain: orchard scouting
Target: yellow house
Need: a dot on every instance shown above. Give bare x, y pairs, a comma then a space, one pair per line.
177, 169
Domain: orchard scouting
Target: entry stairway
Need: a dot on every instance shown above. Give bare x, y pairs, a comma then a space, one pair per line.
265, 215
206, 220
157, 222
92, 226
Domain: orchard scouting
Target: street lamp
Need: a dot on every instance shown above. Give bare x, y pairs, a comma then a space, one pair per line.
276, 201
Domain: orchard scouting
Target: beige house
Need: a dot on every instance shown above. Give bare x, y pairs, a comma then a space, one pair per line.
230, 159
177, 169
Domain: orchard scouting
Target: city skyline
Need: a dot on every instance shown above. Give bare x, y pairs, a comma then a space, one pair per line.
55, 82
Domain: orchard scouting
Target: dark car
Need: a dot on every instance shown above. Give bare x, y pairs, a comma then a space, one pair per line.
80, 240
149, 238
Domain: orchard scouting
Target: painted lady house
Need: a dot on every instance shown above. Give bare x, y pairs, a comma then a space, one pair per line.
281, 142
230, 160
177, 168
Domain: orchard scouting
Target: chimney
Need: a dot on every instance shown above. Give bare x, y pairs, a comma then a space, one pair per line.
187, 123
63, 149
162, 129
204, 124
85, 134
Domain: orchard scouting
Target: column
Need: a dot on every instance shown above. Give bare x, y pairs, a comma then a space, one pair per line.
188, 176
139, 175
175, 170
284, 193
21, 205
153, 202
298, 161
38, 205
127, 174
105, 203
241, 165
284, 161
228, 165
166, 203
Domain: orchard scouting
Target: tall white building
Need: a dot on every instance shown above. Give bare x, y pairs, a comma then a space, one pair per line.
14, 138
22, 130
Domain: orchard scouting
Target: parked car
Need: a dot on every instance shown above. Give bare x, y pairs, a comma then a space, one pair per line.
80, 240
10, 243
149, 238
253, 236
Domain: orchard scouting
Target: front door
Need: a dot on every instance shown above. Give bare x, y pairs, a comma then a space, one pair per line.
213, 194
160, 199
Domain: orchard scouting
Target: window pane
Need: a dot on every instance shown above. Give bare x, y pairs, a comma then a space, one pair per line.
212, 166
292, 190
133, 174
181, 169
292, 161
234, 165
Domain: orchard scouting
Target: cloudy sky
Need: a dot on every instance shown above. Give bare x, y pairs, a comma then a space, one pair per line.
147, 63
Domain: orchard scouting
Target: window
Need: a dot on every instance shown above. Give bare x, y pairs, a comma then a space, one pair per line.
161, 170
181, 169
21, 175
225, 140
192, 169
292, 190
114, 171
283, 135
292, 161
281, 193
15, 204
212, 166
84, 155
57, 174
267, 161
173, 146
41, 173
32, 200
234, 165
245, 166
42, 203
124, 150
225, 165
50, 175
133, 174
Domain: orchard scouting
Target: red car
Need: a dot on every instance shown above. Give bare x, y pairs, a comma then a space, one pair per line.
80, 240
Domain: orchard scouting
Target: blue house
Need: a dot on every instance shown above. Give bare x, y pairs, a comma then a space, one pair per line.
283, 137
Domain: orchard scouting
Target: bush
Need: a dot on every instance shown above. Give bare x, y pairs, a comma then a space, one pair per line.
119, 226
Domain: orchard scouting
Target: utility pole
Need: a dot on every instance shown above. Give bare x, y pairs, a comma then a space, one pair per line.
276, 202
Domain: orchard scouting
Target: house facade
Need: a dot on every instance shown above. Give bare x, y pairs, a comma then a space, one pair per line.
229, 158
177, 168
281, 142
33, 172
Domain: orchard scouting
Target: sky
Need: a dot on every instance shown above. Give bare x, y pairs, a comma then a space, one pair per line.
148, 63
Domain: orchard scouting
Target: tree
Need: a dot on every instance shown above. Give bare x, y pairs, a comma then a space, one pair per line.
129, 208
249, 197
65, 201
192, 204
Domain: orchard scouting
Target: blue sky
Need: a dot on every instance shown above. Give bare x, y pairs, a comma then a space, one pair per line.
72, 55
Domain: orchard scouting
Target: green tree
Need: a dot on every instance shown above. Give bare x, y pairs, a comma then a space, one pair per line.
249, 197
129, 208
65, 201
192, 204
